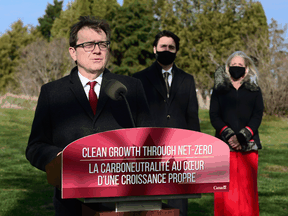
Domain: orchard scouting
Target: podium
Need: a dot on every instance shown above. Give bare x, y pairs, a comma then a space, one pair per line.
129, 171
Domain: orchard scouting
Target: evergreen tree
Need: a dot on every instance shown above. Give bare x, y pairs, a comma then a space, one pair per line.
157, 6
127, 2
84, 7
169, 20
104, 9
11, 44
6, 64
62, 25
210, 30
111, 7
254, 25
133, 32
46, 22
99, 8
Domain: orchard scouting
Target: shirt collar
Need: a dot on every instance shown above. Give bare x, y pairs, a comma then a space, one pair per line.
169, 71
85, 80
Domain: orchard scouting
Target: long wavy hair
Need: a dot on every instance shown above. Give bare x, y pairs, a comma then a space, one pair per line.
252, 70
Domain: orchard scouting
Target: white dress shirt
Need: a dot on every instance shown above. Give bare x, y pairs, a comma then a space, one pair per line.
86, 87
169, 76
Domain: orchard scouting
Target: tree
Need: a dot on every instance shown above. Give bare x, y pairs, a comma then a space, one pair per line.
62, 25
254, 25
109, 10
10, 45
209, 31
157, 6
84, 7
6, 63
272, 66
133, 32
46, 22
207, 43
42, 62
104, 9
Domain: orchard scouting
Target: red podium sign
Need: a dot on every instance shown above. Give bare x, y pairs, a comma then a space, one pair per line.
144, 161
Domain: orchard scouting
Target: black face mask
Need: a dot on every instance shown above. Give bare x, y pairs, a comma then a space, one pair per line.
165, 57
236, 72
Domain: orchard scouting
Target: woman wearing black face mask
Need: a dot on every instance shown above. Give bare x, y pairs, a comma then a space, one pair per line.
236, 111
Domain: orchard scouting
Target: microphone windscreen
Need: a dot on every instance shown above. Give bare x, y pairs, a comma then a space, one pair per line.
114, 88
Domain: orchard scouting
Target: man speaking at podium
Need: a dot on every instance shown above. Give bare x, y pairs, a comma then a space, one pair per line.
78, 105
170, 93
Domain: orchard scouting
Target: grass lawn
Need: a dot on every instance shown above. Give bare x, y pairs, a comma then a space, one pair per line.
24, 190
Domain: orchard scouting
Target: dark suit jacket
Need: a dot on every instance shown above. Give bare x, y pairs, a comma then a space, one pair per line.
180, 110
63, 115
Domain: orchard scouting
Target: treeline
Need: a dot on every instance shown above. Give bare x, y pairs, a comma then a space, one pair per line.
210, 30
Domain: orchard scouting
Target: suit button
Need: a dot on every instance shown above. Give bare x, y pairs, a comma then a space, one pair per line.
168, 116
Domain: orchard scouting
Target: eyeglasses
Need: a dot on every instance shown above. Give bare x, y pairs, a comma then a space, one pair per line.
90, 46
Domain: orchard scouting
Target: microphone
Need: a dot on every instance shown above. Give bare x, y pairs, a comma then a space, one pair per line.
117, 91
114, 89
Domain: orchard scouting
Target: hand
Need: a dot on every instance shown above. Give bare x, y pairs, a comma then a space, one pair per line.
234, 143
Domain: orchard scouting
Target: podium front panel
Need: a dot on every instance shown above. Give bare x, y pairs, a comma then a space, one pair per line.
144, 162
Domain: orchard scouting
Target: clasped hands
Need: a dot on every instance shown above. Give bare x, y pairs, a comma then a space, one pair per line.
234, 143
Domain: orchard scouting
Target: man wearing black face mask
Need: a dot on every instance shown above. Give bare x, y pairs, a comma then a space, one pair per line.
170, 93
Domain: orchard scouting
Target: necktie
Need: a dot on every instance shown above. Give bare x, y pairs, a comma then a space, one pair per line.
166, 75
92, 96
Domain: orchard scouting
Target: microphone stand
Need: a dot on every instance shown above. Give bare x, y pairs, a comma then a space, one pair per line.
129, 110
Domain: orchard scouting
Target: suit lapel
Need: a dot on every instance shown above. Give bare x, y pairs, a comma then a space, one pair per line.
155, 77
77, 89
176, 82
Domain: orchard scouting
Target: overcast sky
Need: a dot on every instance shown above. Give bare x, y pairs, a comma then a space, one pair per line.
30, 10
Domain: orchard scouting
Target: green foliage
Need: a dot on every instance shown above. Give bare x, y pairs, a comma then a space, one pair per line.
11, 44
212, 35
62, 24
51, 13
6, 63
157, 7
133, 32
169, 20
98, 8
254, 26
210, 30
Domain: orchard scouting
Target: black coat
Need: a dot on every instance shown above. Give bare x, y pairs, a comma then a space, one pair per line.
63, 115
236, 108
180, 110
